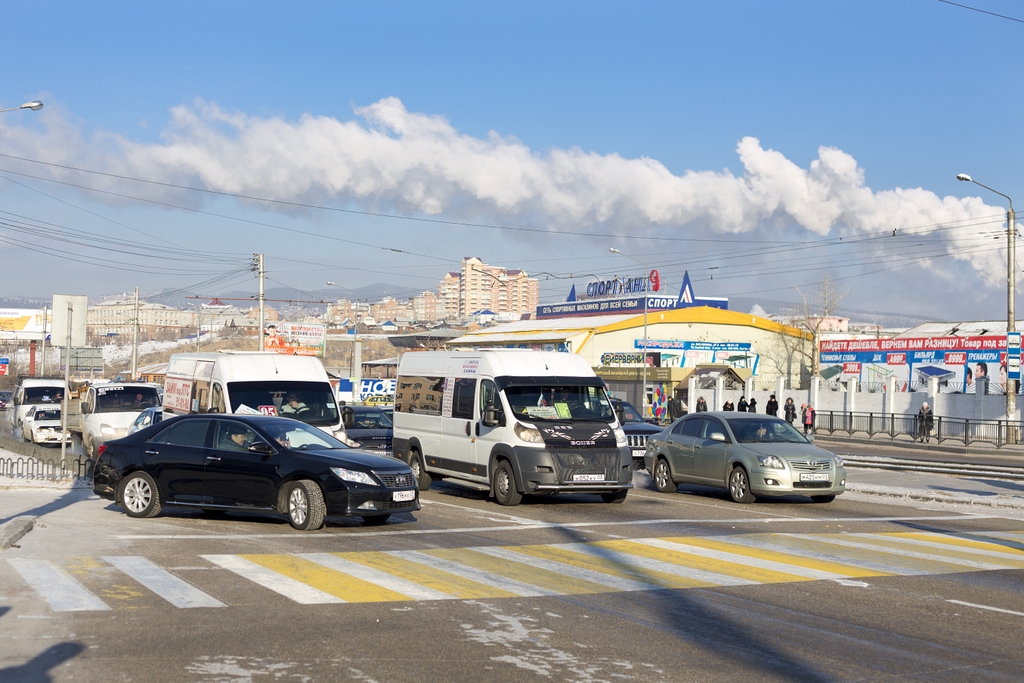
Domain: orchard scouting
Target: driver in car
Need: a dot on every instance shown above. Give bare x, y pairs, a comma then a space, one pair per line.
292, 405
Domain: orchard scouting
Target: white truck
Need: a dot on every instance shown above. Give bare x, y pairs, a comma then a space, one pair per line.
510, 422
253, 382
107, 410
39, 392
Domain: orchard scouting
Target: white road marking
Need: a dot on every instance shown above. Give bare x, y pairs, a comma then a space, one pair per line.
743, 560
504, 583
544, 525
883, 549
648, 564
376, 577
165, 584
564, 569
818, 555
63, 593
947, 546
279, 583
991, 609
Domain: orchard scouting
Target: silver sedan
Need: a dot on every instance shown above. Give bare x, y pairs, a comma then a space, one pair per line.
749, 454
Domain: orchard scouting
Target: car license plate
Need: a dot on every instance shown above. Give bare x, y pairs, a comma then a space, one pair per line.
588, 477
388, 454
639, 452
814, 477
399, 496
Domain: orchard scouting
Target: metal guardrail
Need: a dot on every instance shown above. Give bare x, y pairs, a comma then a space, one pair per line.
36, 462
957, 429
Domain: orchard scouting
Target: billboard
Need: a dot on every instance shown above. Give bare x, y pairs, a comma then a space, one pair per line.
576, 306
377, 391
21, 323
296, 339
956, 362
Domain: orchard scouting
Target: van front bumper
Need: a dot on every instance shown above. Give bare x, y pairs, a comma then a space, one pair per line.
543, 470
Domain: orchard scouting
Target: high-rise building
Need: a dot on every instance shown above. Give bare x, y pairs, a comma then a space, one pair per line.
494, 288
448, 293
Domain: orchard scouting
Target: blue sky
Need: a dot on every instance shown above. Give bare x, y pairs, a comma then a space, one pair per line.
910, 93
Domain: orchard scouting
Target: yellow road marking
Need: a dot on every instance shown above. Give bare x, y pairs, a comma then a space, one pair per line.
992, 546
348, 588
542, 578
439, 580
649, 576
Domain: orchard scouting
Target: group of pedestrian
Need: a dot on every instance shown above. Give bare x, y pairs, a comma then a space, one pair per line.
789, 410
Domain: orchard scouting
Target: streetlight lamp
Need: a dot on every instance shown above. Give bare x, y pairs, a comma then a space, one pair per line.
34, 105
1011, 286
647, 282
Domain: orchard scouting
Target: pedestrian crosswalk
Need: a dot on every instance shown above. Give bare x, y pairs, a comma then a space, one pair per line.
95, 584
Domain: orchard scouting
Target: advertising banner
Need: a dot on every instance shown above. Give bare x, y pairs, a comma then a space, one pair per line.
296, 339
689, 354
956, 362
21, 323
177, 395
377, 391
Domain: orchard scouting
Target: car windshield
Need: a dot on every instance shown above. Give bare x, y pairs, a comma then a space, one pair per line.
630, 413
119, 399
542, 402
371, 419
43, 395
47, 415
309, 402
293, 434
765, 431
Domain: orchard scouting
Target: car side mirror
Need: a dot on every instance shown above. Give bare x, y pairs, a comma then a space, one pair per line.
490, 417
717, 436
261, 447
348, 417
620, 414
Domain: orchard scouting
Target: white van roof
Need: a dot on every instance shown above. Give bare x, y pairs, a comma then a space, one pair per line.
250, 366
43, 382
495, 363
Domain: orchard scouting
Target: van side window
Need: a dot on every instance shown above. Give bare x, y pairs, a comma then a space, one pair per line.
462, 398
420, 395
217, 400
488, 394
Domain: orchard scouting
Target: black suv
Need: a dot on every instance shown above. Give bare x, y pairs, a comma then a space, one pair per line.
637, 430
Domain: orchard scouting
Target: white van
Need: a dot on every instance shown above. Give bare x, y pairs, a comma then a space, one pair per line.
109, 409
250, 383
41, 392
510, 422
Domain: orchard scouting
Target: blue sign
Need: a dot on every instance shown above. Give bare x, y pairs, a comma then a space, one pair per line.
5, 361
635, 304
1013, 355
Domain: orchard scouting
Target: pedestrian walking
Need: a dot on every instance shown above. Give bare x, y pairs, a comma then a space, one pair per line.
789, 409
925, 420
771, 407
807, 417
728, 406
743, 404
702, 405
752, 406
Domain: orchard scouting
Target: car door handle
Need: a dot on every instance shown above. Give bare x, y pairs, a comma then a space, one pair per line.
468, 429
697, 446
152, 452
212, 457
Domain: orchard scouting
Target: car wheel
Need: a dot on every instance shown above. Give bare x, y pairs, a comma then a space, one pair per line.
306, 509
739, 486
823, 499
423, 479
375, 520
663, 477
504, 485
139, 495
615, 496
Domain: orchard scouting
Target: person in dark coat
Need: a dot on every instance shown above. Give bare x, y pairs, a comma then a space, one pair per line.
743, 404
925, 421
702, 405
728, 406
772, 407
789, 409
752, 406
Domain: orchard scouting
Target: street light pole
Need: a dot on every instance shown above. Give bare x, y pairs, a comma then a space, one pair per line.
34, 105
1011, 287
647, 283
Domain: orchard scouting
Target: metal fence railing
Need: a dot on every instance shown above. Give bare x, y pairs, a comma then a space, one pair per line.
956, 429
30, 461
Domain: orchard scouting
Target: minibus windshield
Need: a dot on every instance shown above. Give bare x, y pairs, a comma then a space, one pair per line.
309, 402
540, 402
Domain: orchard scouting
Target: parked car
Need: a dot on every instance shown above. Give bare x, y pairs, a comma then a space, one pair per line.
251, 462
42, 425
370, 427
751, 455
148, 417
637, 430
5, 399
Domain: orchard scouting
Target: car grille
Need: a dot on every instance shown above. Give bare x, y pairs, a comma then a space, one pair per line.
812, 484
811, 465
586, 461
636, 440
398, 505
395, 481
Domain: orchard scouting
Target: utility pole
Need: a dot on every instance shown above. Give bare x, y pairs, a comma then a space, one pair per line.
43, 371
262, 321
135, 338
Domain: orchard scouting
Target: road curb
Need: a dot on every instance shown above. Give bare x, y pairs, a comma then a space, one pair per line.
12, 531
957, 498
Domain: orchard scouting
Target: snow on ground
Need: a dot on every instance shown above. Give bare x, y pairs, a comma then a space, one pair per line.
116, 353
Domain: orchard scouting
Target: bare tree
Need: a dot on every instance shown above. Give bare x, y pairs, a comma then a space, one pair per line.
814, 312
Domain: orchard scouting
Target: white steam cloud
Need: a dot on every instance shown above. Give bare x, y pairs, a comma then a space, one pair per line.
394, 159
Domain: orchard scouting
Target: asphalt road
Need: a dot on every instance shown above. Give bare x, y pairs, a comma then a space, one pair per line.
665, 587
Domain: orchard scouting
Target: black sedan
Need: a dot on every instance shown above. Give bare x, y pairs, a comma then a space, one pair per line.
251, 462
369, 426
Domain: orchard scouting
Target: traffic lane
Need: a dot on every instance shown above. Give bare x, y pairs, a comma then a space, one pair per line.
816, 630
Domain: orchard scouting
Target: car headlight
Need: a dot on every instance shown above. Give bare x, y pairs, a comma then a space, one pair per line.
620, 437
528, 434
107, 429
352, 475
839, 461
771, 462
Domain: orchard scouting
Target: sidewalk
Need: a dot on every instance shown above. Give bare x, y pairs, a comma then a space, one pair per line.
980, 454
